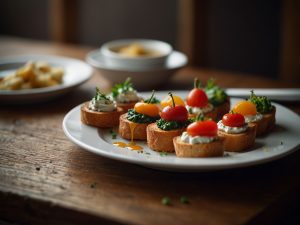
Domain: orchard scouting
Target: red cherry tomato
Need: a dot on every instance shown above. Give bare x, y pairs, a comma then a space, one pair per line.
178, 113
197, 98
233, 120
207, 128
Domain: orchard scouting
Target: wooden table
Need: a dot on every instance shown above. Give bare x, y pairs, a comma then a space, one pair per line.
46, 179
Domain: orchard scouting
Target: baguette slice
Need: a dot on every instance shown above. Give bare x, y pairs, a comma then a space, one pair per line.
99, 119
223, 108
126, 106
212, 114
239, 142
126, 127
212, 149
266, 124
160, 140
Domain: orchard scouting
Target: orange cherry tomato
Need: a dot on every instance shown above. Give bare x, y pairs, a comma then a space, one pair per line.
167, 101
207, 128
148, 109
245, 108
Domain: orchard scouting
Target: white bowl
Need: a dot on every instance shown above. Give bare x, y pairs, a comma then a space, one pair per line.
142, 79
160, 51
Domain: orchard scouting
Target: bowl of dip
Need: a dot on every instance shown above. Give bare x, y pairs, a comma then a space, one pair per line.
136, 54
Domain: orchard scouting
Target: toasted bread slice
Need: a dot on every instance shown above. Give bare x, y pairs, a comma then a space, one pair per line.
100, 119
160, 140
128, 129
266, 124
212, 149
127, 105
223, 108
239, 142
212, 114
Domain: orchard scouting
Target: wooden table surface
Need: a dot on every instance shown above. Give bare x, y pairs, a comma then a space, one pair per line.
46, 179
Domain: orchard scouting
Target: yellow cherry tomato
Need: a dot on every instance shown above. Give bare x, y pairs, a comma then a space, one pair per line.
168, 101
151, 110
245, 108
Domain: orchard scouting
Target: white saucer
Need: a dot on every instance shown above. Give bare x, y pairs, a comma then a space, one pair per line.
142, 79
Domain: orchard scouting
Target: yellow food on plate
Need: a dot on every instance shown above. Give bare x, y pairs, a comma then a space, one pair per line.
32, 75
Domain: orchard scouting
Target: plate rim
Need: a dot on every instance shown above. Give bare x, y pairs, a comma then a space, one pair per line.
169, 166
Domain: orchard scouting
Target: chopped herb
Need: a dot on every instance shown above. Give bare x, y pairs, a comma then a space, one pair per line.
122, 88
147, 153
99, 95
281, 143
184, 200
163, 153
166, 201
263, 104
140, 118
172, 125
215, 94
113, 134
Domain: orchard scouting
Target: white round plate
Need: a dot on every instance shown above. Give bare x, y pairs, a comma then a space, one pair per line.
76, 73
282, 141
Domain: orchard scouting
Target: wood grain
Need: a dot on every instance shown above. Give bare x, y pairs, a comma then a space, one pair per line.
46, 179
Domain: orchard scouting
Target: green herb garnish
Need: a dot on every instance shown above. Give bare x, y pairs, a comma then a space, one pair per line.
172, 125
215, 94
122, 88
184, 200
99, 95
154, 100
113, 134
133, 116
263, 104
166, 201
163, 153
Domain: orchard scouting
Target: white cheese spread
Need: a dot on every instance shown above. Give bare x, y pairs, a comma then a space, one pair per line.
196, 139
250, 118
128, 96
196, 110
232, 130
102, 105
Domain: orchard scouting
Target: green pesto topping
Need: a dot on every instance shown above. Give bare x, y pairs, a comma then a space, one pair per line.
135, 117
166, 201
172, 125
263, 104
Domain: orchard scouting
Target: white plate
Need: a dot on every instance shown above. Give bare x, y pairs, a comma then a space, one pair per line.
146, 79
76, 73
282, 141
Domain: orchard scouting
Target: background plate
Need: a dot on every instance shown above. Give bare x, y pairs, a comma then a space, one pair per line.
282, 141
76, 73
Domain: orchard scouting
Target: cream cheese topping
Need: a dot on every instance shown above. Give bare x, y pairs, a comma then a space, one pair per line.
232, 130
196, 139
250, 118
102, 105
196, 110
128, 96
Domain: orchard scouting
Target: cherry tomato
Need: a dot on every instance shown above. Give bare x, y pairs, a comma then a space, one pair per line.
168, 101
197, 98
245, 108
207, 128
233, 120
147, 109
178, 113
